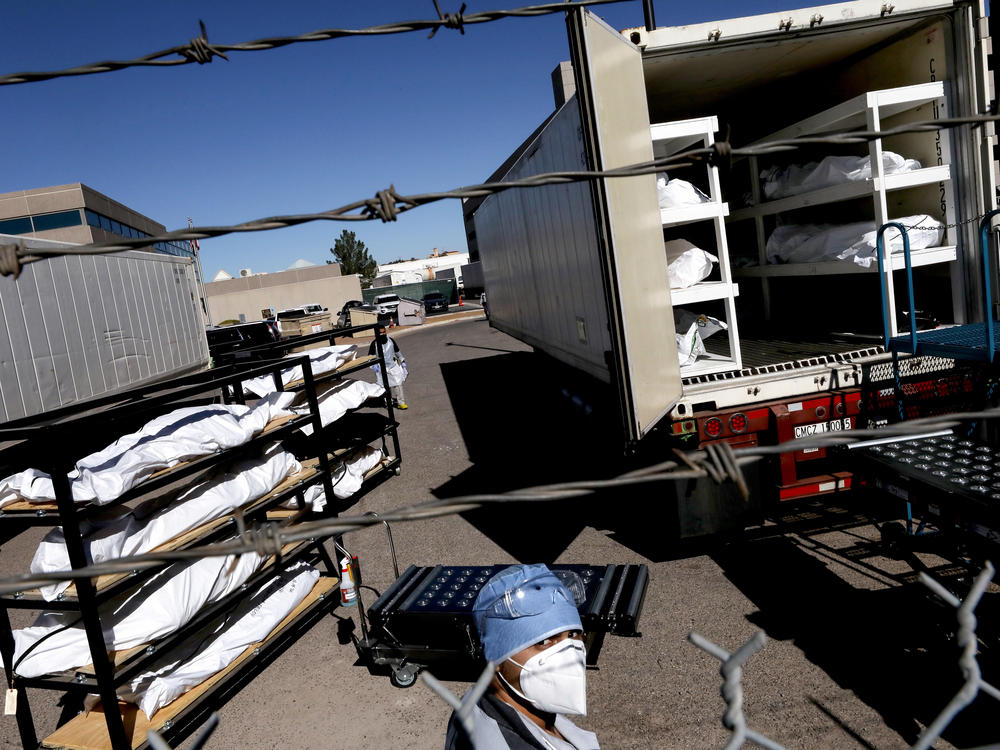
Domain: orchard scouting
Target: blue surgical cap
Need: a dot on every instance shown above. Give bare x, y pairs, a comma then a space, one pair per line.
504, 636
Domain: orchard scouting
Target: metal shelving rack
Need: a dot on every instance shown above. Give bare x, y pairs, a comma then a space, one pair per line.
674, 137
52, 442
869, 111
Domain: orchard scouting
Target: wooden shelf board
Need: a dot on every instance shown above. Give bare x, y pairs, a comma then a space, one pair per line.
356, 362
851, 114
918, 177
703, 291
844, 192
709, 363
89, 731
672, 137
926, 257
697, 212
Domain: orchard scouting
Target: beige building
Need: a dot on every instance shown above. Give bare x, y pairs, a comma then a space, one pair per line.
77, 213
249, 296
80, 214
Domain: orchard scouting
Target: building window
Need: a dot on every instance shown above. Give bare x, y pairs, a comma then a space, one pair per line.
16, 226
57, 220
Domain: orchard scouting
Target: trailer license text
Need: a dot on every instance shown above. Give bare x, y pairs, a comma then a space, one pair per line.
834, 425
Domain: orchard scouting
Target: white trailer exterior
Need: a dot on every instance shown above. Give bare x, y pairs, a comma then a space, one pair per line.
78, 327
578, 270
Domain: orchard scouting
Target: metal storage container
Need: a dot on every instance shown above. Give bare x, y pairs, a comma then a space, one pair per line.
77, 327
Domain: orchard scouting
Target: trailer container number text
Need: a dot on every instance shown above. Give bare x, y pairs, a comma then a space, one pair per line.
834, 425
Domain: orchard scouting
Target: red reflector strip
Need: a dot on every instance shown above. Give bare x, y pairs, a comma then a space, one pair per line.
685, 427
814, 488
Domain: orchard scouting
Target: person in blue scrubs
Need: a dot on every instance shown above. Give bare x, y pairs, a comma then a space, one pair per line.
530, 630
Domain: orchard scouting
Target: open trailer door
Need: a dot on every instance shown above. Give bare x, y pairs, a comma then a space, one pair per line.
612, 96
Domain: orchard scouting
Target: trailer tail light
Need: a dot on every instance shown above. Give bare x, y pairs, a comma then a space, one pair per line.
685, 427
738, 423
713, 427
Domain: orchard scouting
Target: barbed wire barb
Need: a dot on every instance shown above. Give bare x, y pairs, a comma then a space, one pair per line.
968, 642
200, 51
449, 21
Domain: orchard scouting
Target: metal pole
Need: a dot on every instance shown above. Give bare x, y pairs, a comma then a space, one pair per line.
648, 15
86, 591
201, 277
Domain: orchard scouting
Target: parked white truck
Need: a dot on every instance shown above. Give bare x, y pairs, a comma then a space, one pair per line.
580, 271
77, 327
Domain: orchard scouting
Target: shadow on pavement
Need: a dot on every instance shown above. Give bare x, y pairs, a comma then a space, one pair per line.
893, 647
521, 428
527, 420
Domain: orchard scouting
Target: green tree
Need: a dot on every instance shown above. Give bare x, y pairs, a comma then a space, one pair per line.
353, 257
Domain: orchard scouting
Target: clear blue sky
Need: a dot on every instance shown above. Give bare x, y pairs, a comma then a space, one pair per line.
301, 129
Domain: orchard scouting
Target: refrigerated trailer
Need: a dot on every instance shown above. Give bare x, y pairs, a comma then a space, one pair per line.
76, 327
579, 271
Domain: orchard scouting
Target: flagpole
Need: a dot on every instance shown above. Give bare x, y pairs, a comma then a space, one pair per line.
196, 250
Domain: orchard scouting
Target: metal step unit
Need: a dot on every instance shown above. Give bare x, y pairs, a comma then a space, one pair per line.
424, 619
952, 480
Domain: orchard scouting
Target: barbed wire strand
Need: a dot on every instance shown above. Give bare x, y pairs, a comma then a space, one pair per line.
388, 204
967, 641
269, 538
731, 670
199, 50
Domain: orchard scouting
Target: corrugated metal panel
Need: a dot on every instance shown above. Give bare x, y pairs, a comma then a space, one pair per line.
76, 327
539, 254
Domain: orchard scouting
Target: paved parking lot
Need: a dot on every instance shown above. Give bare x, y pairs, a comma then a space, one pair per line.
857, 656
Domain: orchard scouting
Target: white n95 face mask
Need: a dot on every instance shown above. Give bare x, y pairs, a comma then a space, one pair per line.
555, 680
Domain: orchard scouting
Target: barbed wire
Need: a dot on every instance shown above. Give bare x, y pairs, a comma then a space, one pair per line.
721, 463
200, 50
731, 670
388, 204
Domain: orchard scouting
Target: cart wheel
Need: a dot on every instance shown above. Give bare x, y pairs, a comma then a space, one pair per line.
404, 677
893, 538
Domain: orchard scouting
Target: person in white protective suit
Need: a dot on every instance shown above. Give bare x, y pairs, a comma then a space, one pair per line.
530, 629
395, 366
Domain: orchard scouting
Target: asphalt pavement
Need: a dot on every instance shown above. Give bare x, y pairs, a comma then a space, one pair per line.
857, 656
